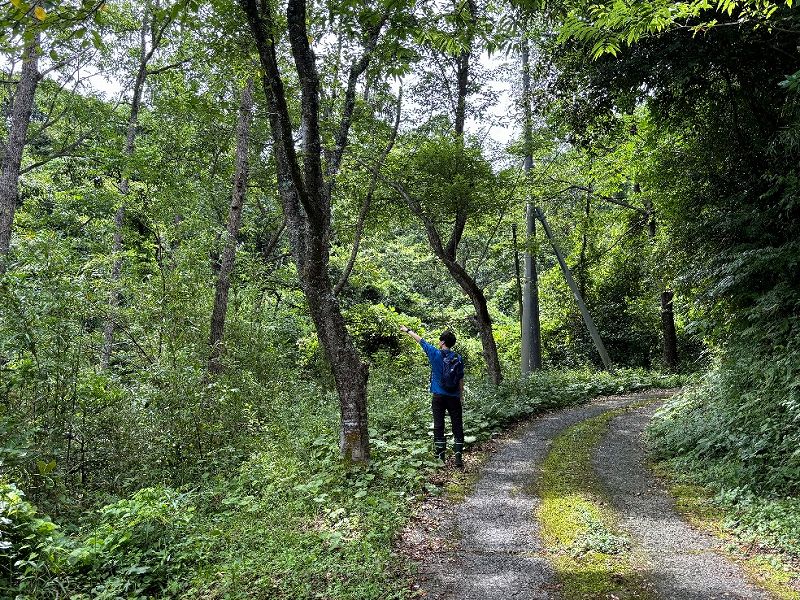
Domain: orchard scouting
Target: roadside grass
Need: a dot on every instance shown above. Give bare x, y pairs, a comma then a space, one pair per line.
726, 448
292, 522
744, 526
592, 556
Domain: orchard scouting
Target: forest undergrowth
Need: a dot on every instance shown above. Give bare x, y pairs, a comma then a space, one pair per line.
292, 520
732, 459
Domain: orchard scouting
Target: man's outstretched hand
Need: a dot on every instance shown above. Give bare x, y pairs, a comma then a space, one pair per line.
409, 332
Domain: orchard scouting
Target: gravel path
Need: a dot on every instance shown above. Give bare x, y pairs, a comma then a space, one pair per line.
488, 547
497, 554
683, 563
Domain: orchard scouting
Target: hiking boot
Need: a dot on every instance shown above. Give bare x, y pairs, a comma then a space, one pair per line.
458, 450
441, 448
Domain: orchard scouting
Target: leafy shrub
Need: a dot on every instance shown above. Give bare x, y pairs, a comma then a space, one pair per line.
736, 433
139, 547
773, 521
32, 549
738, 428
293, 521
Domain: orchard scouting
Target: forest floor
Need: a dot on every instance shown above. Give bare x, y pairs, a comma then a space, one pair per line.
492, 535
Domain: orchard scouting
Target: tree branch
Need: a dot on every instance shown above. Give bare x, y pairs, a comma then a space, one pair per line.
362, 215
356, 70
610, 199
65, 151
280, 122
168, 67
316, 204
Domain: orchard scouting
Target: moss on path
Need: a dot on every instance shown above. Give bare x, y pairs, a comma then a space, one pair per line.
592, 556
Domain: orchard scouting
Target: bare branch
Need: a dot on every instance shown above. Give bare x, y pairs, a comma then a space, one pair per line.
168, 67
362, 215
64, 151
356, 70
610, 199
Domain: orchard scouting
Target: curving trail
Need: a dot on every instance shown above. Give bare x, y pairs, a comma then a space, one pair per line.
488, 546
684, 563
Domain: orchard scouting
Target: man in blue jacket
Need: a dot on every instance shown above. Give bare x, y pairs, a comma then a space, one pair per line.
446, 368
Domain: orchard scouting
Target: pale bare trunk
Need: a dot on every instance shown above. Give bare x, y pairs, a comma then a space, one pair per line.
234, 222
14, 146
531, 337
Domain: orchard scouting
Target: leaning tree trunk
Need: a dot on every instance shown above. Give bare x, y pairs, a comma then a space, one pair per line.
587, 318
12, 152
483, 319
234, 222
447, 255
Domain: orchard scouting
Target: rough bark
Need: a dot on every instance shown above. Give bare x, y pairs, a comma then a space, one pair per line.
234, 222
14, 146
305, 196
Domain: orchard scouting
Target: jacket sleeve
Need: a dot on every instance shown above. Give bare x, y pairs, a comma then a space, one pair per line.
429, 349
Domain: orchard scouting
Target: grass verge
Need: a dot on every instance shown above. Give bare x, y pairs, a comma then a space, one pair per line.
591, 555
767, 566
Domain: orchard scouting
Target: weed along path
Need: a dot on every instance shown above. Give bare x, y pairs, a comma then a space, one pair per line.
566, 509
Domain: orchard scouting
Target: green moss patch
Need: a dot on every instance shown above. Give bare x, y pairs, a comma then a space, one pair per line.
592, 556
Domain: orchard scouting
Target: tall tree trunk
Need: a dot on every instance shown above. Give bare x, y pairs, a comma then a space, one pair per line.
669, 337
447, 254
12, 151
531, 347
531, 342
668, 329
115, 298
234, 222
306, 199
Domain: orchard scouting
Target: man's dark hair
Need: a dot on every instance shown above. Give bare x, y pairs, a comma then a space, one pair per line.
449, 339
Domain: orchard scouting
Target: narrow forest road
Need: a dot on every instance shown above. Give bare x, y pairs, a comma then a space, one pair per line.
489, 546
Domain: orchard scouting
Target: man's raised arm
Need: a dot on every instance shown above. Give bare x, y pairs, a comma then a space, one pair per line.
410, 333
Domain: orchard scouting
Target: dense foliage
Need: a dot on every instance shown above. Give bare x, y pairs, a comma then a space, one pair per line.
129, 467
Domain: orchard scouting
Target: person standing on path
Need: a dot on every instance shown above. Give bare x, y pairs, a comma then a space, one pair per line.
447, 387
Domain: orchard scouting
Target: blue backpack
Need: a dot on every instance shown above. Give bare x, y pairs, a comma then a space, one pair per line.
452, 371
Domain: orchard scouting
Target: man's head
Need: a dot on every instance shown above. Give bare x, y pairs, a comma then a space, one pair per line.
448, 339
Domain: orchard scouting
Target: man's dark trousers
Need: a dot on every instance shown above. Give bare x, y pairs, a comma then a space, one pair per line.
451, 404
